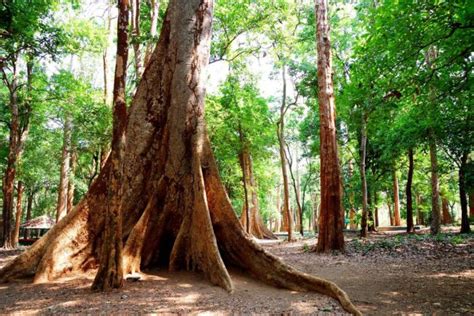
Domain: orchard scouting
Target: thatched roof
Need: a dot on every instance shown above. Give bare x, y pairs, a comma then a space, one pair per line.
41, 222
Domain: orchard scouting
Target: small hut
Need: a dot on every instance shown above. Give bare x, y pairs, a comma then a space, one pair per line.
33, 229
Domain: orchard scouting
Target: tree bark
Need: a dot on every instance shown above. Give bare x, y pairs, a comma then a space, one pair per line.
12, 160
19, 209
288, 218
396, 199
110, 273
155, 10
136, 37
435, 209
29, 208
363, 178
71, 186
296, 190
410, 226
389, 206
177, 210
419, 216
250, 218
376, 211
471, 204
446, 217
61, 207
465, 228
331, 221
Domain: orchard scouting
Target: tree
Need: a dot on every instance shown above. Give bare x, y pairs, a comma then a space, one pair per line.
19, 209
110, 273
176, 209
331, 221
410, 227
286, 211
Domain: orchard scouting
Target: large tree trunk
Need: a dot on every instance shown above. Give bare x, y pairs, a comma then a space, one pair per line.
396, 199
410, 227
286, 212
19, 209
61, 207
465, 228
331, 222
250, 218
363, 178
435, 209
110, 273
177, 210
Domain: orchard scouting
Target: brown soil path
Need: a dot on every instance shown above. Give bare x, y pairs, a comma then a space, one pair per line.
415, 277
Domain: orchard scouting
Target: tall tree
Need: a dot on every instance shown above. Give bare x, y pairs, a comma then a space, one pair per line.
396, 199
286, 210
410, 227
110, 273
61, 208
176, 207
19, 210
331, 221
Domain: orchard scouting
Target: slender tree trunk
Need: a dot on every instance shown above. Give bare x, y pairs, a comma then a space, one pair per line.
251, 215
155, 10
105, 55
420, 216
296, 190
396, 199
435, 209
390, 214
110, 273
29, 208
471, 204
284, 171
71, 186
363, 178
352, 211
410, 227
279, 226
12, 160
16, 231
465, 228
376, 210
61, 207
331, 222
315, 213
370, 202
446, 217
136, 37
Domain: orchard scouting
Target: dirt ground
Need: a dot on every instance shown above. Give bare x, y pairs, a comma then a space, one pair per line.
385, 274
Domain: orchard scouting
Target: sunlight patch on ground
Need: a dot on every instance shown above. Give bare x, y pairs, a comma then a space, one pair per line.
463, 274
185, 285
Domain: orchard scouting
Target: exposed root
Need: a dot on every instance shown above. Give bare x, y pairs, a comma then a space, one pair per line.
241, 251
196, 244
132, 251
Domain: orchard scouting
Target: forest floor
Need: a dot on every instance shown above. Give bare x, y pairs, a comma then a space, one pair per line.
383, 274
